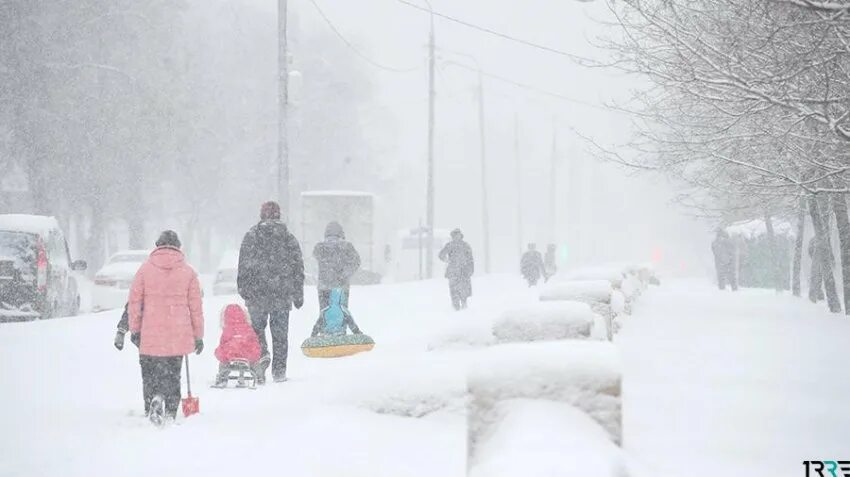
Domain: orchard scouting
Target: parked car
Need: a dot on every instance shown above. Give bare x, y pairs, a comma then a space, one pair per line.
225, 276
36, 279
112, 282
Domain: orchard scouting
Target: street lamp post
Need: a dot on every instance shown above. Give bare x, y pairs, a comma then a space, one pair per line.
283, 100
429, 199
485, 206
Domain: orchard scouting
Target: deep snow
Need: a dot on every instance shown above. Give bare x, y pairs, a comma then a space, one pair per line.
714, 383
720, 383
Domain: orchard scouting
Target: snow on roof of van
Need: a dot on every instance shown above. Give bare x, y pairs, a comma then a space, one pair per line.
32, 224
336, 193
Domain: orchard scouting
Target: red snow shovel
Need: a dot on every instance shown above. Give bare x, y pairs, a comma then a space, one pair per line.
191, 405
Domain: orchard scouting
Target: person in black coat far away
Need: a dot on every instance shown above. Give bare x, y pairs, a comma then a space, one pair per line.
459, 269
531, 265
270, 279
724, 260
338, 260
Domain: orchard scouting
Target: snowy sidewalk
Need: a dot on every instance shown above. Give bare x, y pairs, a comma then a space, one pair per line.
749, 383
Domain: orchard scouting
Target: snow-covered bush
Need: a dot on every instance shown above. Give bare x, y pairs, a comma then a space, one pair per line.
619, 304
585, 374
612, 274
587, 291
540, 437
544, 321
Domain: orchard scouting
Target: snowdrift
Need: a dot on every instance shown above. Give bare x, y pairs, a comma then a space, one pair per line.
588, 291
585, 374
538, 437
544, 322
611, 274
463, 335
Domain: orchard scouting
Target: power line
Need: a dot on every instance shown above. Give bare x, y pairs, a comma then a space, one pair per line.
532, 88
504, 36
354, 49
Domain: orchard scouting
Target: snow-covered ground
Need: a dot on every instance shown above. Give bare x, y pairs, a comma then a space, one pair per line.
746, 383
713, 384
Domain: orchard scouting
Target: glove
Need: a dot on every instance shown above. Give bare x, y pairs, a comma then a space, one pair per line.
119, 340
199, 346
136, 339
298, 301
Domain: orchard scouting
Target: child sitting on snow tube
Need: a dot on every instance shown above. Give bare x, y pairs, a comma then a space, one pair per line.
329, 338
335, 319
239, 344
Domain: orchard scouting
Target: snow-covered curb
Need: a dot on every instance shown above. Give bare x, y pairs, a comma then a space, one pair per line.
543, 438
585, 374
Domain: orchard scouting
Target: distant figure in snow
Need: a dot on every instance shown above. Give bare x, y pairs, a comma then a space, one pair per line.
724, 260
550, 263
531, 265
238, 342
271, 280
460, 267
338, 260
123, 328
172, 325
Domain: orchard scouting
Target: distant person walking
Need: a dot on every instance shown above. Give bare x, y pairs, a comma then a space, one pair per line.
531, 265
459, 269
271, 280
171, 327
724, 260
550, 261
337, 261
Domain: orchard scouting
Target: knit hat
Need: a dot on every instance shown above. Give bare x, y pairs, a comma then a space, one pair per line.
270, 211
168, 238
457, 234
334, 229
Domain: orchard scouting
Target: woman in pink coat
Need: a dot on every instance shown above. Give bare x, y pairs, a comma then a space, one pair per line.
172, 325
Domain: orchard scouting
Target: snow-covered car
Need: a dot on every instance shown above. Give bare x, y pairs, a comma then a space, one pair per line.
112, 282
36, 279
225, 275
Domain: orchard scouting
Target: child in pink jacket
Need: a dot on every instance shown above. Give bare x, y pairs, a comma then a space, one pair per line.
239, 342
172, 325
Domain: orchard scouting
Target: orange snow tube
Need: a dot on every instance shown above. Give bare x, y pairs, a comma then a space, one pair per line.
336, 346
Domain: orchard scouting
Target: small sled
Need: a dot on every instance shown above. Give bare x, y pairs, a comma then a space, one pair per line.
240, 370
336, 346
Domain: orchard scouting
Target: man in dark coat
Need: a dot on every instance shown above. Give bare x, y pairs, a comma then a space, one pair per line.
550, 263
337, 260
724, 260
461, 265
271, 279
531, 265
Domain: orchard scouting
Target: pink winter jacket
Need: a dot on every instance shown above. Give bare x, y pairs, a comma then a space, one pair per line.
171, 294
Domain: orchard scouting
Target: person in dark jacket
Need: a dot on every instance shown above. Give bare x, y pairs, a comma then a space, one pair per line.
531, 265
550, 262
459, 269
724, 260
123, 328
338, 260
270, 279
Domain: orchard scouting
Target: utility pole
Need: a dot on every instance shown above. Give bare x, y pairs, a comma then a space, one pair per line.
553, 196
429, 262
282, 103
485, 209
518, 184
